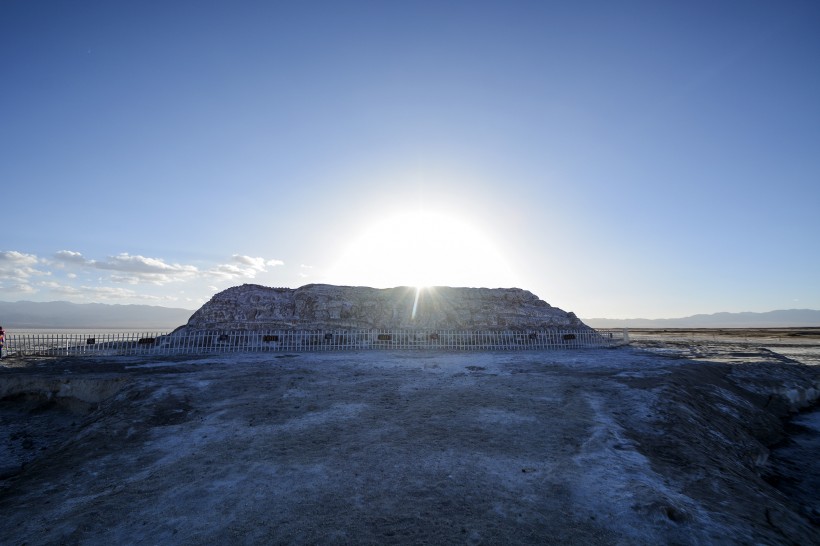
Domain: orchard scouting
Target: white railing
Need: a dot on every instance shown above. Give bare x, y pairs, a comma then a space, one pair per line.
304, 340
78, 343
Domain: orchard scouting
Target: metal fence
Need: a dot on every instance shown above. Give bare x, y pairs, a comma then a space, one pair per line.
305, 340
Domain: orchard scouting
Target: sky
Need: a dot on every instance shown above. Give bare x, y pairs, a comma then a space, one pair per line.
618, 159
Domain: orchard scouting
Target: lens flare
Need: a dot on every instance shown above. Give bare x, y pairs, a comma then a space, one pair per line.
422, 249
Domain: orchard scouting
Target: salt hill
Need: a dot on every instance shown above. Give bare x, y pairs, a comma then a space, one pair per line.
327, 307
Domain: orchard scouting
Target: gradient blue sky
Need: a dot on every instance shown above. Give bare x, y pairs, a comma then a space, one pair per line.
618, 159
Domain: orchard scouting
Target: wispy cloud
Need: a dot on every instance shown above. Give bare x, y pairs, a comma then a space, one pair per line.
71, 275
69, 256
17, 270
18, 266
112, 293
157, 270
304, 274
21, 288
243, 267
139, 269
131, 269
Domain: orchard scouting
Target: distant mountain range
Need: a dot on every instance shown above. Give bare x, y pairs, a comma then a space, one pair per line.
62, 314
771, 319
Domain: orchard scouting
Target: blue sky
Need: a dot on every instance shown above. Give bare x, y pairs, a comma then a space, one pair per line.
618, 159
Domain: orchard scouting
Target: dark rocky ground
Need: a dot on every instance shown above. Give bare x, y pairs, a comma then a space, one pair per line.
659, 442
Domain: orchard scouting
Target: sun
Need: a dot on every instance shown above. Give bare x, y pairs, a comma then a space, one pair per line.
422, 249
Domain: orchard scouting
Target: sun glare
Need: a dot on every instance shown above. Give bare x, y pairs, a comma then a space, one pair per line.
422, 249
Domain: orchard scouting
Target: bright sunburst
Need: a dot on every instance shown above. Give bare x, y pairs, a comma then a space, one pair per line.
422, 249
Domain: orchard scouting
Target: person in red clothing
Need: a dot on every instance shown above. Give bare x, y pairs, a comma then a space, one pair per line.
2, 341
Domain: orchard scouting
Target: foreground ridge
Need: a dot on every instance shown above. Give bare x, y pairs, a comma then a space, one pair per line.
595, 447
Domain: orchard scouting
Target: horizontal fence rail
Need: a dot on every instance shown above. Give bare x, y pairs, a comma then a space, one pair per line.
304, 341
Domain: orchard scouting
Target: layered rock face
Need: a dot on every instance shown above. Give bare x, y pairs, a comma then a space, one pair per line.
329, 307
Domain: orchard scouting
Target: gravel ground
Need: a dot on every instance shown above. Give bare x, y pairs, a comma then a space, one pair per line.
645, 444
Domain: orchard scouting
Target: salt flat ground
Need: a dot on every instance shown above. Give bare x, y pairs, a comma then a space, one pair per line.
803, 344
636, 445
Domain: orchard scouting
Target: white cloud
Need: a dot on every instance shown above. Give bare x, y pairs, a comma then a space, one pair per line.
23, 288
136, 269
17, 266
132, 269
90, 293
246, 267
70, 256
13, 256
230, 271
112, 293
255, 263
304, 274
143, 265
65, 290
122, 277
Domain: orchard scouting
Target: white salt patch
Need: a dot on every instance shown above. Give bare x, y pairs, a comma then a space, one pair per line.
317, 418
614, 481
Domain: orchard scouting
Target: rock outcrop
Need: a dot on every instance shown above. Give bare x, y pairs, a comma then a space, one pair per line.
329, 307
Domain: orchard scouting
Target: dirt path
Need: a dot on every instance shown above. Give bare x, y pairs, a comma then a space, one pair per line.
577, 447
